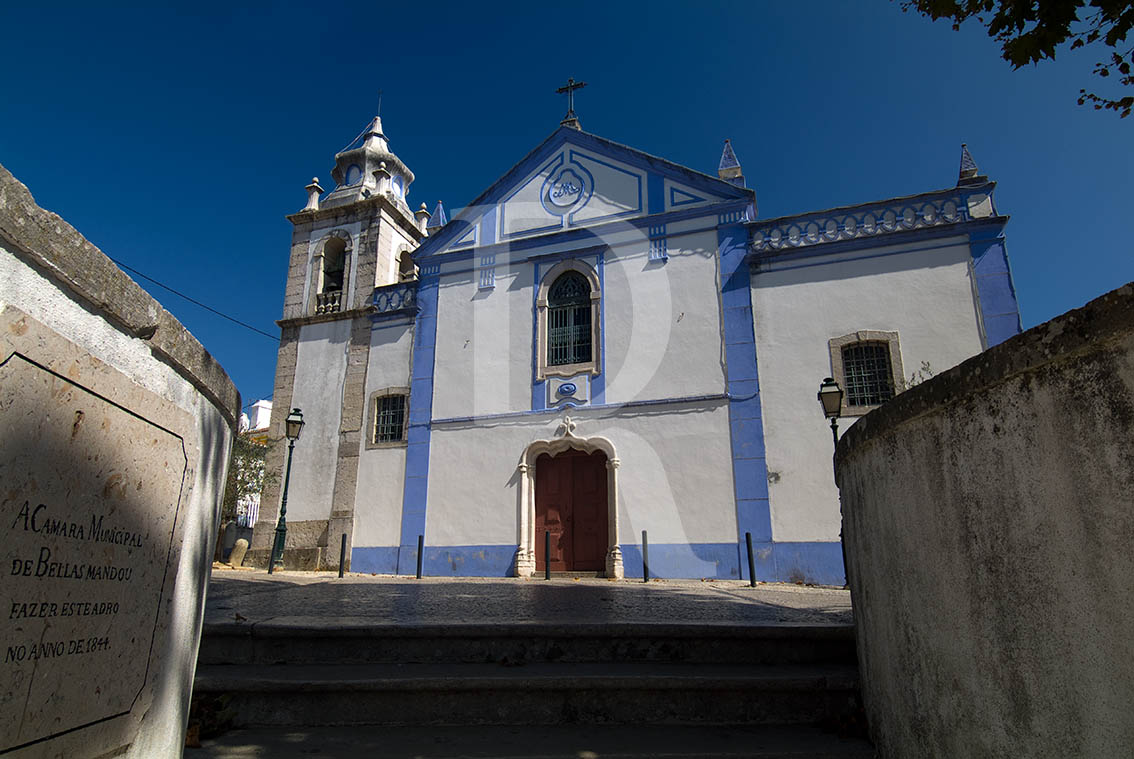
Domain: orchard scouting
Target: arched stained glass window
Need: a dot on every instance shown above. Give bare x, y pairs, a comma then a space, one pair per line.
569, 320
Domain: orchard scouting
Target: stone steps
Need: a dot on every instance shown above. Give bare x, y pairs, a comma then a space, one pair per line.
532, 694
543, 741
275, 673
280, 641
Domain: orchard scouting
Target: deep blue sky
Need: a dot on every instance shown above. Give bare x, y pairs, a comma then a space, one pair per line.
176, 138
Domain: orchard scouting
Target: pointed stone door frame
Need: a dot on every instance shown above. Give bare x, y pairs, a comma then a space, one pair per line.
526, 548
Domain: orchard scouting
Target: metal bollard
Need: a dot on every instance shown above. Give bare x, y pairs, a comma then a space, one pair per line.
547, 554
342, 555
420, 553
751, 560
645, 558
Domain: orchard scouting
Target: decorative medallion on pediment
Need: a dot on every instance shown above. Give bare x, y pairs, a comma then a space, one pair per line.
567, 189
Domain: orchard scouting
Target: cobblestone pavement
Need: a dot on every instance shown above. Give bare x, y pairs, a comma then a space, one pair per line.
255, 596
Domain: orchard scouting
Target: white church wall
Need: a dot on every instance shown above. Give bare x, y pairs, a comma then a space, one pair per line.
923, 292
485, 336
378, 500
663, 329
391, 345
688, 510
381, 471
320, 367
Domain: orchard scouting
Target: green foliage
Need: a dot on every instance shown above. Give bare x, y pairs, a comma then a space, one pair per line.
246, 474
1030, 31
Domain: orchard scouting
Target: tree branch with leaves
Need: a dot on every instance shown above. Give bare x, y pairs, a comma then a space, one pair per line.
1030, 31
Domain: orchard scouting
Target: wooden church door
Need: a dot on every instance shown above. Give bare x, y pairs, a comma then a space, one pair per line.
571, 505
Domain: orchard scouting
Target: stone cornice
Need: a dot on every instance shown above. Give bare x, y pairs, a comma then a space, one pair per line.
302, 321
380, 201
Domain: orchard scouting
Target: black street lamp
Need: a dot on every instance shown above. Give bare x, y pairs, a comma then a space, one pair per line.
293, 425
831, 397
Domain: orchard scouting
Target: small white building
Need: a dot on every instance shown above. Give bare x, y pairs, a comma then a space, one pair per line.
603, 344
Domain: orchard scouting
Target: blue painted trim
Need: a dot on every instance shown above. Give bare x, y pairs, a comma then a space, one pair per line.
749, 468
488, 227
816, 563
539, 387
563, 255
550, 168
574, 158
604, 406
689, 198
904, 237
807, 262
390, 318
1000, 311
379, 560
608, 149
718, 561
469, 239
655, 193
416, 483
586, 191
709, 213
470, 561
598, 382
819, 563
962, 193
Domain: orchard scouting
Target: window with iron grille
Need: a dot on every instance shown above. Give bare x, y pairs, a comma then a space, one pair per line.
569, 320
868, 373
389, 418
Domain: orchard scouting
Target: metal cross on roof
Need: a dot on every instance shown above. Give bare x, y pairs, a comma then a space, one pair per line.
570, 119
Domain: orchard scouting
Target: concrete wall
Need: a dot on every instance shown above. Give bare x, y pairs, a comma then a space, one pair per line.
988, 530
108, 407
922, 291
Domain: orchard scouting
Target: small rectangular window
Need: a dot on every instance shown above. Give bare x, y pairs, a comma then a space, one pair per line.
868, 374
389, 418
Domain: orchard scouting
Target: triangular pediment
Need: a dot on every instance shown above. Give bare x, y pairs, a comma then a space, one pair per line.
575, 179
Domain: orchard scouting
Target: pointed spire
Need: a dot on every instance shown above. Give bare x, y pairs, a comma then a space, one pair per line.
728, 157
375, 139
969, 173
439, 217
729, 168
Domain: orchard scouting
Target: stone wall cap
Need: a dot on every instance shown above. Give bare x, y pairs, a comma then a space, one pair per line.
1103, 320
51, 244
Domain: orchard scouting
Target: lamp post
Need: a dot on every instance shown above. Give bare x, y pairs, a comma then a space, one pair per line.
293, 425
831, 398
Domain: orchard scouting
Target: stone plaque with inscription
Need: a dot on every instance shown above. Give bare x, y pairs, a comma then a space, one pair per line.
115, 431
89, 499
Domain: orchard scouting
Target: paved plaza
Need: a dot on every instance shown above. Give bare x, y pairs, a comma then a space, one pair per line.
305, 598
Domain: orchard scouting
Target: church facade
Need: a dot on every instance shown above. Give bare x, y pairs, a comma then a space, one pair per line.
603, 348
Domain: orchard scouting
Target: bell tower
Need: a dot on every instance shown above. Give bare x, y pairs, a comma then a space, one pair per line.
344, 244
